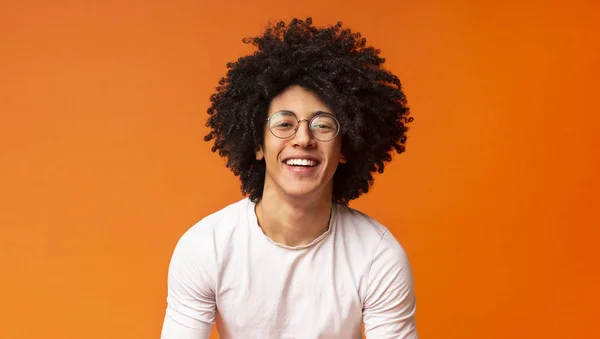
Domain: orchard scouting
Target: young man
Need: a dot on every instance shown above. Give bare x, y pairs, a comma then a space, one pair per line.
304, 122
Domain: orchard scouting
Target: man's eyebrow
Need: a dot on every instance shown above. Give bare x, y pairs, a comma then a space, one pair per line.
311, 115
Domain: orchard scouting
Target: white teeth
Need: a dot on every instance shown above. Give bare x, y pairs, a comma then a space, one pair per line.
301, 162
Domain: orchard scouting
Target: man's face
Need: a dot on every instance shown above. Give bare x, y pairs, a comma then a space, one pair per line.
299, 166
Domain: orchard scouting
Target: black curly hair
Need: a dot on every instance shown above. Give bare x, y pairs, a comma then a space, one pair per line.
336, 65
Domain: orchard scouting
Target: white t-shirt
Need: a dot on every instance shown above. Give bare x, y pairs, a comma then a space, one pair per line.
225, 269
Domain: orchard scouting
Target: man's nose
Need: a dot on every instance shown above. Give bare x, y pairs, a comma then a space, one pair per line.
303, 137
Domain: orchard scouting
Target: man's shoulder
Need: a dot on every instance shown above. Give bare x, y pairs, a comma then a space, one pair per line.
219, 224
227, 215
367, 230
360, 223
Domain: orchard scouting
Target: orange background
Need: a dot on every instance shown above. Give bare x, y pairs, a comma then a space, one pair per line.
103, 166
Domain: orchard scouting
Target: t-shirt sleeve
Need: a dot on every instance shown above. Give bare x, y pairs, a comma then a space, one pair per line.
390, 303
191, 302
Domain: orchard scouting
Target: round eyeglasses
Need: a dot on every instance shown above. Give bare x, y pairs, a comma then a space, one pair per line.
322, 126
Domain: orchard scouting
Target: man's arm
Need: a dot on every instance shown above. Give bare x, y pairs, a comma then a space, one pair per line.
191, 305
390, 303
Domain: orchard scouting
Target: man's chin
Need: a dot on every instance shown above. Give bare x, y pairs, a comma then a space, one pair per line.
312, 192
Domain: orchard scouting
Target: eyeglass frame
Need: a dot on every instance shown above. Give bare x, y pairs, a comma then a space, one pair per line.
316, 115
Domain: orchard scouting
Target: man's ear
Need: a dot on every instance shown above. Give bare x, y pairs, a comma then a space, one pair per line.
342, 159
260, 154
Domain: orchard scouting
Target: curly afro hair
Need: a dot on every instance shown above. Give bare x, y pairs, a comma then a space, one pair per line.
336, 65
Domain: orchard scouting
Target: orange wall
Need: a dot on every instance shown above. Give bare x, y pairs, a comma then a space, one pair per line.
103, 166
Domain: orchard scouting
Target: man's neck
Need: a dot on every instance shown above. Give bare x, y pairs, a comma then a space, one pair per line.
293, 222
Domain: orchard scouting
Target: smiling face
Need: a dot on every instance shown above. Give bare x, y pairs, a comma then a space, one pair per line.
300, 165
